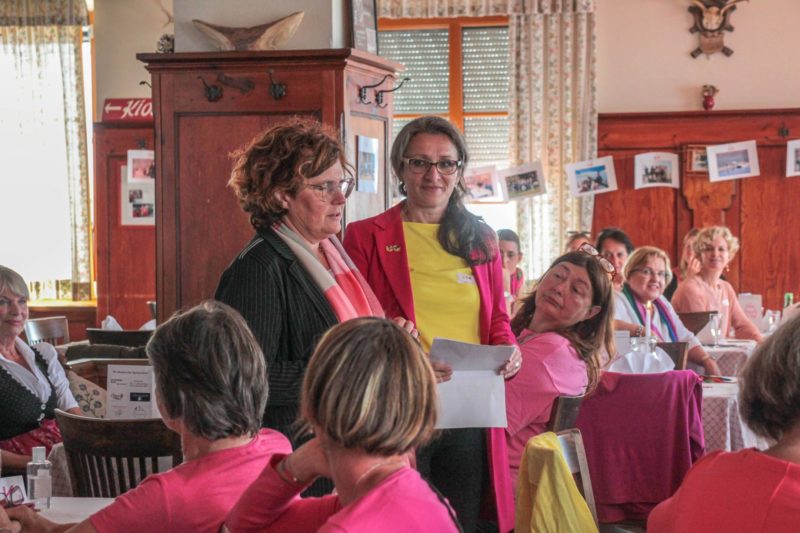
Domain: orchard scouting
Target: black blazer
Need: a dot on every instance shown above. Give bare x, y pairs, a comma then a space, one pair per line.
287, 313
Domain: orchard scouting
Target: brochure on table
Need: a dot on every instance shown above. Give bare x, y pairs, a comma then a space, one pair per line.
131, 392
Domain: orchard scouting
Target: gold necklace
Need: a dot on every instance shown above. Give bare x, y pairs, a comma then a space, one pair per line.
369, 471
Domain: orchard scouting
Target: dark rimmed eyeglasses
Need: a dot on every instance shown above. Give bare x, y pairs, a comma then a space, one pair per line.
605, 263
11, 496
421, 166
327, 189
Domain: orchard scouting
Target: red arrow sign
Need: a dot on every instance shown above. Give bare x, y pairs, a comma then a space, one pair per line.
128, 110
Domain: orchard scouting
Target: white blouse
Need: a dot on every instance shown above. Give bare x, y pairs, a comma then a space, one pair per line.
623, 311
34, 380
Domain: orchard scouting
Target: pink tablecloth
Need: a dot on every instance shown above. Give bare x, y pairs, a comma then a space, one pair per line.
731, 356
722, 425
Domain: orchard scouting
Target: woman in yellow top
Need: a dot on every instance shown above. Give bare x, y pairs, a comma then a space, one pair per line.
431, 261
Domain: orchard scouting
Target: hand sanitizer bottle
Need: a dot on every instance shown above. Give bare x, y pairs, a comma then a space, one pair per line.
39, 480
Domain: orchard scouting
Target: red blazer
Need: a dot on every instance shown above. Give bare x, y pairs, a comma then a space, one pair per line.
377, 247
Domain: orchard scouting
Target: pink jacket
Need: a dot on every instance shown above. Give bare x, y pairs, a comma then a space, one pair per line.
377, 247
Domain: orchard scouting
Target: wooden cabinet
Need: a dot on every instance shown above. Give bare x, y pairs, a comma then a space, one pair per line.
126, 254
760, 211
206, 105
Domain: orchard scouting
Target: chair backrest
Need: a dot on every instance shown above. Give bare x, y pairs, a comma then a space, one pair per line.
677, 351
574, 453
109, 457
52, 329
127, 337
564, 413
696, 321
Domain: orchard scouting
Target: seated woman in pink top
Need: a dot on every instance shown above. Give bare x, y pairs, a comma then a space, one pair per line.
561, 327
715, 247
369, 395
749, 491
211, 388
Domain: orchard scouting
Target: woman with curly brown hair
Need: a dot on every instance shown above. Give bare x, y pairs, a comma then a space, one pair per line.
293, 281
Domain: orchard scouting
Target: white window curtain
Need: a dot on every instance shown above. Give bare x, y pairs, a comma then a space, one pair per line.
552, 104
45, 184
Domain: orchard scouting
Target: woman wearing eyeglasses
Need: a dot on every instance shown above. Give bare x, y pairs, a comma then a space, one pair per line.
647, 272
562, 327
431, 261
293, 281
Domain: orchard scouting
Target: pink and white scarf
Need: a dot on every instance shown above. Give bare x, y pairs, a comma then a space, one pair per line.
343, 286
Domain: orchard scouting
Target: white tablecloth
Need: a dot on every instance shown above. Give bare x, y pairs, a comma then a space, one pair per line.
722, 425
73, 510
730, 355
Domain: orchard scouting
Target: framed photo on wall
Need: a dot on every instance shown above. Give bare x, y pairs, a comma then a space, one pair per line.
733, 161
364, 23
695, 159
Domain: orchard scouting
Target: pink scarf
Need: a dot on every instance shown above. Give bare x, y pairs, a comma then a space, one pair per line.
344, 287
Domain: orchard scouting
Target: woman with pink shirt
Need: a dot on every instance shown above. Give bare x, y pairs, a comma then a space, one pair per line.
369, 396
561, 327
211, 389
705, 291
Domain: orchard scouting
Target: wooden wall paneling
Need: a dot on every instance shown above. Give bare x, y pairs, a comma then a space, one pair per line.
758, 210
125, 255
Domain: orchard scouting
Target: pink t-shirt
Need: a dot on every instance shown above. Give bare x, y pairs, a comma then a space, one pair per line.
194, 496
747, 491
550, 368
402, 502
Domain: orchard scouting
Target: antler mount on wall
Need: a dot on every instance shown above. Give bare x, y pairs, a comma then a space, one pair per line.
711, 23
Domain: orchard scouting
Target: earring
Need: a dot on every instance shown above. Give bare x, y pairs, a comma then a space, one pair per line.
727, 268
402, 187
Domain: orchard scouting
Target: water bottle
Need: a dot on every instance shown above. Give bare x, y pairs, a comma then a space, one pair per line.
40, 485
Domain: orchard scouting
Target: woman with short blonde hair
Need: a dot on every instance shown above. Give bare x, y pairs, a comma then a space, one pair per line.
647, 273
369, 395
715, 246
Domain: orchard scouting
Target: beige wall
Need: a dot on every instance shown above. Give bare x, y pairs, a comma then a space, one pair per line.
644, 64
123, 28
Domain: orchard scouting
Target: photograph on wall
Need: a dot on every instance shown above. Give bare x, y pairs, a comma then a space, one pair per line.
524, 180
793, 158
592, 177
137, 201
367, 164
656, 169
696, 160
483, 185
364, 25
141, 165
732, 161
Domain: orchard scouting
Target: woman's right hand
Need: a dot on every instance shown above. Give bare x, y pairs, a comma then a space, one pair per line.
308, 462
443, 371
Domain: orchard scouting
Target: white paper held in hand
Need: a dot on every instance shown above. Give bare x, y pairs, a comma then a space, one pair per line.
475, 396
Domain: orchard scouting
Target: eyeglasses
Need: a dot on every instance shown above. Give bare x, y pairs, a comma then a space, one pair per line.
327, 189
605, 263
11, 496
649, 272
421, 166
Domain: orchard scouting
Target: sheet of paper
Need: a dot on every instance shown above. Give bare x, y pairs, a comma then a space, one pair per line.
131, 392
475, 397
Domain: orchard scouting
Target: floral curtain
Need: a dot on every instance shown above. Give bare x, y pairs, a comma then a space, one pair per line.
552, 105
553, 111
41, 41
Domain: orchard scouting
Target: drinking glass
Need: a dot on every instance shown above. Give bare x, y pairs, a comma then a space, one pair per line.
773, 317
634, 344
651, 345
716, 329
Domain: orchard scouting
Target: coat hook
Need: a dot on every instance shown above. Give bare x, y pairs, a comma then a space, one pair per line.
362, 91
141, 143
144, 82
783, 131
213, 92
379, 94
277, 90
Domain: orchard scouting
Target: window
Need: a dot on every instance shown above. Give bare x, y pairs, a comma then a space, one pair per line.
44, 137
458, 70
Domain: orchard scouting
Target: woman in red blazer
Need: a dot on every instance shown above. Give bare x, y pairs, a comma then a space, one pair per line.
434, 263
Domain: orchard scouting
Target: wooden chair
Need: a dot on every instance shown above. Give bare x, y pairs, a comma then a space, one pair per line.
109, 457
52, 329
571, 444
564, 413
128, 337
677, 351
696, 321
